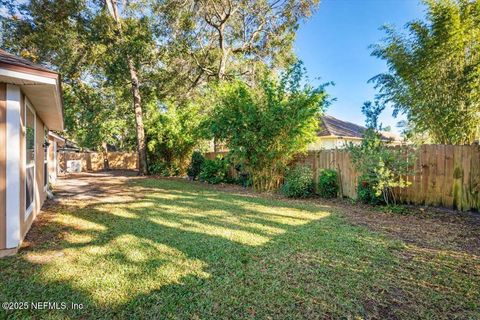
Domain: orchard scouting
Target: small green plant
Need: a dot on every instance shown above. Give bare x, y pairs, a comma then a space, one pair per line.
163, 169
366, 192
396, 209
156, 167
298, 182
214, 171
328, 183
195, 165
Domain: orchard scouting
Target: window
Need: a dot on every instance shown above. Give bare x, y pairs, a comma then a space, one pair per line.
45, 157
30, 159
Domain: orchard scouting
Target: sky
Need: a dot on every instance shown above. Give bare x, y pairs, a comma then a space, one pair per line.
334, 45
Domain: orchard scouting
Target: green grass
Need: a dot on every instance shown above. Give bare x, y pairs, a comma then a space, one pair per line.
186, 251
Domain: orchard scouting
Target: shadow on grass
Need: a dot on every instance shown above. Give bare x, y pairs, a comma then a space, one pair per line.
181, 251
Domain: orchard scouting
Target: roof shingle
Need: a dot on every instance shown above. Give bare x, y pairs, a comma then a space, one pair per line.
330, 126
11, 59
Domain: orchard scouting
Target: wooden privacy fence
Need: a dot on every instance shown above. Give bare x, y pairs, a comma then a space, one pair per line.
444, 175
96, 161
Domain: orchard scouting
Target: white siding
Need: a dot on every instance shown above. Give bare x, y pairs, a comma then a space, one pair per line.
331, 143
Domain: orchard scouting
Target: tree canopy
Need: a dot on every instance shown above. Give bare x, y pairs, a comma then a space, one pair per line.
175, 47
434, 72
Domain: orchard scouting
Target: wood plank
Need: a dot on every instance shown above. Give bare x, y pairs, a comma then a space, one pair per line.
440, 175
466, 186
475, 176
448, 183
457, 177
432, 186
427, 182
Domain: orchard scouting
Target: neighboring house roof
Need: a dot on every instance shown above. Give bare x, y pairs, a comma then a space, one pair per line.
65, 144
40, 85
56, 136
330, 126
11, 59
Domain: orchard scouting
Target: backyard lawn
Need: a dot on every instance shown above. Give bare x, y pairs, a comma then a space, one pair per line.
173, 249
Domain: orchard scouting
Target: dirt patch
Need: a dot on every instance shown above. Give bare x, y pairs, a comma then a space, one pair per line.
108, 186
426, 227
79, 190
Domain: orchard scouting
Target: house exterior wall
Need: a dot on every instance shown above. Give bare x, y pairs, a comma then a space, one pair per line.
39, 190
52, 160
326, 143
3, 163
14, 223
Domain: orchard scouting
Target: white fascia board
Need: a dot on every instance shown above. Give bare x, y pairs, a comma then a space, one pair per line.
56, 136
27, 76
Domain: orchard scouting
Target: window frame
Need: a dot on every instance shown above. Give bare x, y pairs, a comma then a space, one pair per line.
28, 105
46, 178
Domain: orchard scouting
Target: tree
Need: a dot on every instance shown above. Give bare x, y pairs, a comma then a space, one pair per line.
135, 86
434, 71
97, 52
110, 53
218, 40
266, 125
97, 116
224, 39
173, 134
73, 38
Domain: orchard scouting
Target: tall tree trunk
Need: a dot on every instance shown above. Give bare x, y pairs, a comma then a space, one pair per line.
106, 164
140, 130
137, 100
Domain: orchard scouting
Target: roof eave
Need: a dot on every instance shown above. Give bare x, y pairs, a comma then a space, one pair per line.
34, 82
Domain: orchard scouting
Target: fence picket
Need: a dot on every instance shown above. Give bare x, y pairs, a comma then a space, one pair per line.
444, 175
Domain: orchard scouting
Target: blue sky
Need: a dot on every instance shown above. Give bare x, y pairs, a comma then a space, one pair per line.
334, 43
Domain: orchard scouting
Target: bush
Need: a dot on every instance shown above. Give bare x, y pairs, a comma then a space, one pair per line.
195, 165
163, 169
382, 169
214, 171
298, 182
367, 193
266, 123
328, 183
172, 134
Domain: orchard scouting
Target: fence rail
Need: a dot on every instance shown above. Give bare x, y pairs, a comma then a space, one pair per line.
444, 175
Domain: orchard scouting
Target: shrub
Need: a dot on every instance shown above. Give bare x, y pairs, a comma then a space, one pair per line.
298, 182
214, 171
266, 123
328, 183
367, 193
195, 165
163, 169
172, 134
243, 177
382, 169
